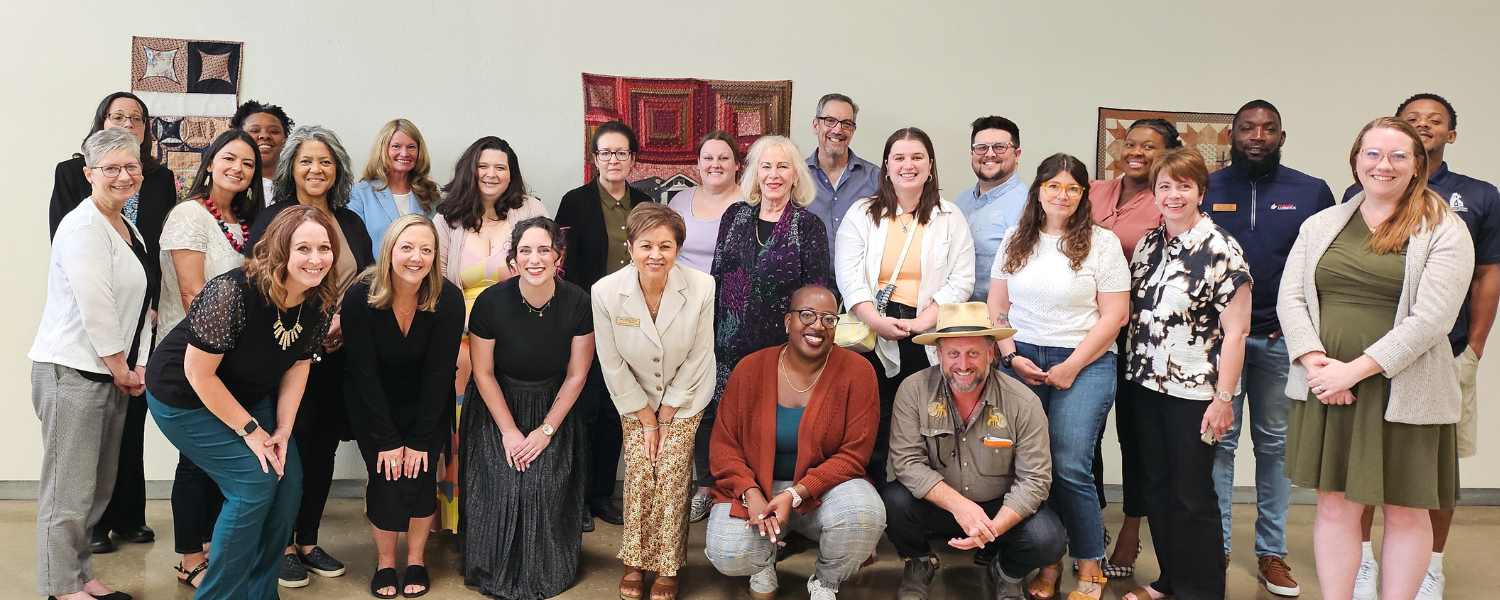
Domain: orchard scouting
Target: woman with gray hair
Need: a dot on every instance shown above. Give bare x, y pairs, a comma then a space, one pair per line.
88, 359
314, 170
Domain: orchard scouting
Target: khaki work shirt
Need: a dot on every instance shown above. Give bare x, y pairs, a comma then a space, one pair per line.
930, 443
616, 210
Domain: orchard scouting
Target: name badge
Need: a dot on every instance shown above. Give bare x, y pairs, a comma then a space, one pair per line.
1225, 207
627, 322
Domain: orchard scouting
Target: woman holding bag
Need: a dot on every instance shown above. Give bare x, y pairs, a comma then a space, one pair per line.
902, 253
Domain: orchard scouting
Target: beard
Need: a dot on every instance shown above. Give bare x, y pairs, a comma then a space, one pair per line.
979, 378
1254, 169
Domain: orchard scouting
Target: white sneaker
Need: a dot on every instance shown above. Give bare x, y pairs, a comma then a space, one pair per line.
764, 584
816, 591
1432, 587
1365, 581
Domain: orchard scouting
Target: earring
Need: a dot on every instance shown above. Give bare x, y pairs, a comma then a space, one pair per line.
208, 177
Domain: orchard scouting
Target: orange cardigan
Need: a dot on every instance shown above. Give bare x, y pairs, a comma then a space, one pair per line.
834, 442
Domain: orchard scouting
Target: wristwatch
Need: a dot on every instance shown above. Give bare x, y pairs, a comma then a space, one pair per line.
1224, 395
1005, 360
547, 429
248, 428
796, 498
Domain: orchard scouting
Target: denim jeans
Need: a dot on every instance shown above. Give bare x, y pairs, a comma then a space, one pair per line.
259, 509
1075, 416
1264, 378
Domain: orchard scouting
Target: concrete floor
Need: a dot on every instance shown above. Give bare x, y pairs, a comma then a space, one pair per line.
145, 570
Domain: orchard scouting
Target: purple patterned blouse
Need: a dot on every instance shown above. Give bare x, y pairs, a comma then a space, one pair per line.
756, 283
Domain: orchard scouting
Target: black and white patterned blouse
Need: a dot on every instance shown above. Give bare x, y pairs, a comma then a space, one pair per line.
1179, 286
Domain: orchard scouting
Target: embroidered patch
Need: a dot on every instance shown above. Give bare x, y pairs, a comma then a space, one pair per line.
996, 420
1283, 207
1456, 202
937, 410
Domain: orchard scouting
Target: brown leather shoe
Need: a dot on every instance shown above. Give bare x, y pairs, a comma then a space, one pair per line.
1277, 576
632, 582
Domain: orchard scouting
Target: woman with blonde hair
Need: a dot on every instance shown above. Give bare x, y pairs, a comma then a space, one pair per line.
396, 180
402, 324
1370, 290
902, 253
225, 386
770, 245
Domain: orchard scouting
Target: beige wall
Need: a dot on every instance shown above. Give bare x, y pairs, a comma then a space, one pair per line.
465, 69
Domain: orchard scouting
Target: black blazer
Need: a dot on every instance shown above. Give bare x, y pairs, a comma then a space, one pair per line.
580, 213
157, 197
350, 223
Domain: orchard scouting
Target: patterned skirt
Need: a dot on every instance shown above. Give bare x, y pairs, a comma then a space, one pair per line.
656, 497
520, 532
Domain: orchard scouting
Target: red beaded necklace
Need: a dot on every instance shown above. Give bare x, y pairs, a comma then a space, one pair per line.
244, 229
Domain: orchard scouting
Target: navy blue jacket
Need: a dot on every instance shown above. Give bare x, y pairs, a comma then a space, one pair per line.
1478, 204
1264, 216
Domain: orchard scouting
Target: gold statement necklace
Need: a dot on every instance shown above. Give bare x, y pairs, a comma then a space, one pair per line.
285, 337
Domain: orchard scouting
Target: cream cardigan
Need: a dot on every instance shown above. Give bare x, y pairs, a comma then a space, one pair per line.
1414, 354
947, 256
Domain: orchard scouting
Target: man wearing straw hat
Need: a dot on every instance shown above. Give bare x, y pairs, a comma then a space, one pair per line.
970, 449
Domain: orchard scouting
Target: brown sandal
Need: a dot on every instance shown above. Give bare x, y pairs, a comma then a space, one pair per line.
632, 581
1099, 579
664, 588
1140, 593
1041, 589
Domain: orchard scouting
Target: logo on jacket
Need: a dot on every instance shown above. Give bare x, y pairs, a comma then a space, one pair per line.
1283, 207
1456, 202
996, 420
937, 410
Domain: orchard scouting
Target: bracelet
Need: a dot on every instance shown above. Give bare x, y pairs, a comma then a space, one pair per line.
651, 428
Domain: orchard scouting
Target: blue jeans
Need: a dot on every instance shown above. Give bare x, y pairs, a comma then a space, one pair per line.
258, 511
1075, 416
1264, 381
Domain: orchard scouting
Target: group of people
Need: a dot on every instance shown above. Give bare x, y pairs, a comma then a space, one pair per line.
495, 363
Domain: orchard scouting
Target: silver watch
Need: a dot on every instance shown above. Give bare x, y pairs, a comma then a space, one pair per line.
1224, 395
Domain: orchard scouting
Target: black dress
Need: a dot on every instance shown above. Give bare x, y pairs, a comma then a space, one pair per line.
399, 390
518, 531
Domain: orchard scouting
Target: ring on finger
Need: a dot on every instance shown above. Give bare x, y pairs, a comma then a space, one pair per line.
1318, 389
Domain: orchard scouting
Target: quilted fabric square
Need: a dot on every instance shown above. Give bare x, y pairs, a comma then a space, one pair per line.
158, 65
1207, 132
669, 116
213, 67
180, 142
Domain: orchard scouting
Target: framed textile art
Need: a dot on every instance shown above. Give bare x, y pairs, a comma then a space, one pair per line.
1208, 132
191, 88
669, 116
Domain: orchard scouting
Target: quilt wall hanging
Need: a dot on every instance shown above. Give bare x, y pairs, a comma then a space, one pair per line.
191, 88
1208, 132
669, 116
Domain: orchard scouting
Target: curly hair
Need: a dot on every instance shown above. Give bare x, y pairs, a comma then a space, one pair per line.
1079, 230
250, 107
268, 266
463, 205
343, 176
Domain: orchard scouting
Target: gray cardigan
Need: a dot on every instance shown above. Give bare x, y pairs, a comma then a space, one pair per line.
1439, 267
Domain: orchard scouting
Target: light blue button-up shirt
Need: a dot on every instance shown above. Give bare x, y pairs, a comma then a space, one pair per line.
989, 215
860, 180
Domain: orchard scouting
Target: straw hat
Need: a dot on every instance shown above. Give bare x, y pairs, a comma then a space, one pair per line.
964, 319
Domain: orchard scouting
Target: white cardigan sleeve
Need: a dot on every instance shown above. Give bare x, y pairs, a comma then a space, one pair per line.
960, 260
849, 255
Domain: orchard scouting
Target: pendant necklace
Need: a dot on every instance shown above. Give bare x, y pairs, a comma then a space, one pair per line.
285, 336
535, 310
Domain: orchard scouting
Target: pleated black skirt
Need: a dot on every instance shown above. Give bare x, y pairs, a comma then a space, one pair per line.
519, 532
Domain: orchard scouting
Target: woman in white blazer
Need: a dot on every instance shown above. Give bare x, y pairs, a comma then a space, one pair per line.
654, 332
938, 267
88, 359
1370, 290
396, 180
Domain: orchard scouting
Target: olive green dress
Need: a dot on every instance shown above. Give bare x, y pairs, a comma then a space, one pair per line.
1352, 448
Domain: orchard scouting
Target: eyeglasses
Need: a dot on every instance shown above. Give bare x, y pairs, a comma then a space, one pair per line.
999, 148
122, 118
808, 317
833, 123
113, 171
604, 155
1052, 190
1372, 156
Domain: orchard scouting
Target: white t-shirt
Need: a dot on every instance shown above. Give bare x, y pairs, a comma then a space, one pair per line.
403, 203
269, 186
1050, 303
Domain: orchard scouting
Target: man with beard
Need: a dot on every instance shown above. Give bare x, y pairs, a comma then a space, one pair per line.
994, 204
842, 177
972, 455
1262, 203
1476, 202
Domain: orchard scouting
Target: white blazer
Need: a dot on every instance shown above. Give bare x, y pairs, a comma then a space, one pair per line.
650, 363
947, 265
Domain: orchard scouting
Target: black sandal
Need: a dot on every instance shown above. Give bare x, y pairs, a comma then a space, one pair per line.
385, 578
198, 570
416, 575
